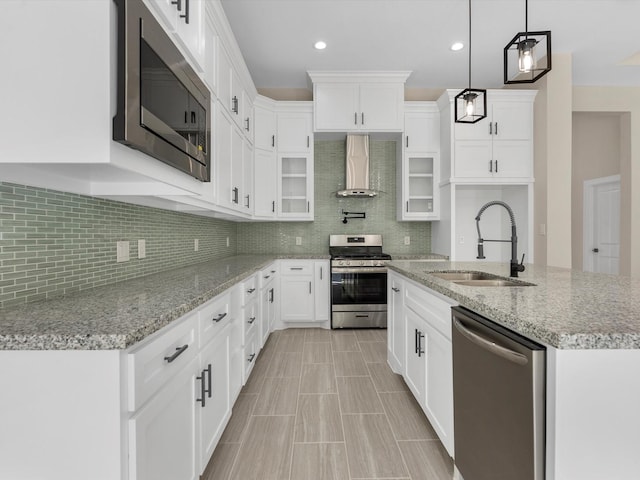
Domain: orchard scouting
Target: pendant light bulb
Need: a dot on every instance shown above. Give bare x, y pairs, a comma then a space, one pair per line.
470, 103
527, 55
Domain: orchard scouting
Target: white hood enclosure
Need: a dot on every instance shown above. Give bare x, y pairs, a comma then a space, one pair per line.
357, 168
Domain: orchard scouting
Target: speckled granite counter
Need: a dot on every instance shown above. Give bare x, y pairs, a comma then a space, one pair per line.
567, 309
119, 315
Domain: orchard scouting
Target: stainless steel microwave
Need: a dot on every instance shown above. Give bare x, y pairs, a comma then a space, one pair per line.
163, 108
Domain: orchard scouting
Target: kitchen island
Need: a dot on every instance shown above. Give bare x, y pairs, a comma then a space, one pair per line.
590, 324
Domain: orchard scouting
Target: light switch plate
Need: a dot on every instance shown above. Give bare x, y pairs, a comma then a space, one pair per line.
298, 240
407, 240
142, 248
196, 245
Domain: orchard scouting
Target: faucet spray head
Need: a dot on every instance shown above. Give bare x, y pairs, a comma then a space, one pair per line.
480, 250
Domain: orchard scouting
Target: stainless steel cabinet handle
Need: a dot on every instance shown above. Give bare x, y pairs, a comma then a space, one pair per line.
407, 141
271, 295
420, 338
203, 389
235, 192
362, 118
407, 206
251, 290
234, 104
487, 344
395, 289
490, 166
247, 123
595, 250
219, 317
355, 118
415, 339
295, 268
273, 206
266, 276
209, 388
320, 273
248, 203
490, 128
251, 320
496, 129
308, 207
178, 4
309, 288
251, 357
186, 12
179, 351
496, 166
273, 140
307, 141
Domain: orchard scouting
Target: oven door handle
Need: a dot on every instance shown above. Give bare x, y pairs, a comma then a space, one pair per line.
358, 269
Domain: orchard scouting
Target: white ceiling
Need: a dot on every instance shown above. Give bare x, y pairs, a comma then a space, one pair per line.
276, 38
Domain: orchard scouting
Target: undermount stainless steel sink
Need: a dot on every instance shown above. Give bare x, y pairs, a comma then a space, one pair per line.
480, 279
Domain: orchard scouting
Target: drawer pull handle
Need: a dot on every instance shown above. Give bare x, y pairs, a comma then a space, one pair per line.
219, 317
251, 357
267, 276
395, 289
179, 351
251, 290
295, 268
203, 389
208, 390
251, 320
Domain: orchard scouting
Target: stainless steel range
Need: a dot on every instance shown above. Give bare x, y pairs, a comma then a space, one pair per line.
358, 281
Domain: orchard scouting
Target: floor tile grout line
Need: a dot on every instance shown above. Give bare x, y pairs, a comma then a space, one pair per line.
344, 435
295, 419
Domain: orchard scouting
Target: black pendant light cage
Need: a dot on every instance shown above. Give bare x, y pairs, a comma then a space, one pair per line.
535, 44
527, 57
475, 97
470, 105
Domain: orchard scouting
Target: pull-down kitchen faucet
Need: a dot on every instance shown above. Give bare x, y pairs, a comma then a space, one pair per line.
515, 266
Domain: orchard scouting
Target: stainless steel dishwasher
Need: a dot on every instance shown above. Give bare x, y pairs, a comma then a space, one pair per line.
499, 401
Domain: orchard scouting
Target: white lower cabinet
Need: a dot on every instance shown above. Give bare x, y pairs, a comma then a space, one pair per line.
322, 290
421, 318
212, 387
162, 434
268, 310
305, 285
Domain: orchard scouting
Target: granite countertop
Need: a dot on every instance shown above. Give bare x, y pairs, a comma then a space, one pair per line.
567, 309
119, 315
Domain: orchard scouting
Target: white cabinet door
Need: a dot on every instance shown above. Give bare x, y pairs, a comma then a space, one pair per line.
265, 183
298, 306
419, 192
162, 434
473, 159
248, 199
512, 120
190, 31
224, 78
336, 106
247, 117
236, 347
381, 107
322, 287
265, 129
295, 132
250, 351
512, 159
212, 388
211, 55
395, 327
237, 97
224, 193
415, 359
237, 178
421, 132
439, 387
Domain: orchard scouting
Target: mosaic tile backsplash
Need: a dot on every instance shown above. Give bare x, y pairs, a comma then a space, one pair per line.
329, 171
54, 243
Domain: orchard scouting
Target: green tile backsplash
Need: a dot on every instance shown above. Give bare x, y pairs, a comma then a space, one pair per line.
329, 157
54, 243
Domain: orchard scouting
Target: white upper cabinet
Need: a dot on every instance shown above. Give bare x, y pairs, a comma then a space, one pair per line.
224, 80
295, 131
497, 149
265, 128
185, 19
418, 194
358, 101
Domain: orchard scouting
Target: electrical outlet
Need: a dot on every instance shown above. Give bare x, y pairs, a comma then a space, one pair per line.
142, 248
122, 251
407, 240
227, 241
196, 245
298, 240
461, 240
542, 229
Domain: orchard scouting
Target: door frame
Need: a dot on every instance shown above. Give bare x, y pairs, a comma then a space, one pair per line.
589, 187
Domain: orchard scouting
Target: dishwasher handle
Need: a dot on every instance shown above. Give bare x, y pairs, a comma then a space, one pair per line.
487, 344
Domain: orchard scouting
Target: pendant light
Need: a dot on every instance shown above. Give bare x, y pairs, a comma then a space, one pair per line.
527, 57
471, 103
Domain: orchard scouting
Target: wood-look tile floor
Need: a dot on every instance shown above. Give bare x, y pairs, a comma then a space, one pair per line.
324, 405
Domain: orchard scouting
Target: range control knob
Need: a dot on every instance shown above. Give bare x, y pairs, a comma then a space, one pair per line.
361, 262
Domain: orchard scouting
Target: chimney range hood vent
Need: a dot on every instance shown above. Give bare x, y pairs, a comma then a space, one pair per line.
357, 168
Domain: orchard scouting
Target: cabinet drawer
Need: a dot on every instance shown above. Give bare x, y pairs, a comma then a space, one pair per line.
250, 355
268, 275
213, 316
151, 364
431, 307
249, 289
296, 268
249, 319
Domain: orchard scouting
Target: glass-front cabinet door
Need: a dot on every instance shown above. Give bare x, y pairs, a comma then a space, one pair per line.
295, 187
419, 187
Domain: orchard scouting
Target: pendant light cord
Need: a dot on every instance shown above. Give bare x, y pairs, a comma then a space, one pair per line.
469, 44
526, 19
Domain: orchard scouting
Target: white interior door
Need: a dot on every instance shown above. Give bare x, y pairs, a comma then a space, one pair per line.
602, 225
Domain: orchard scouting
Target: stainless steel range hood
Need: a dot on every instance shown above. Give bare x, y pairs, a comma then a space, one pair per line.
357, 166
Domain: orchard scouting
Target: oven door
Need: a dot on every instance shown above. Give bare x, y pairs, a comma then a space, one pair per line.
359, 297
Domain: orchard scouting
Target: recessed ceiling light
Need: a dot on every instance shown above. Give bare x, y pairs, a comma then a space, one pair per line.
320, 45
457, 46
